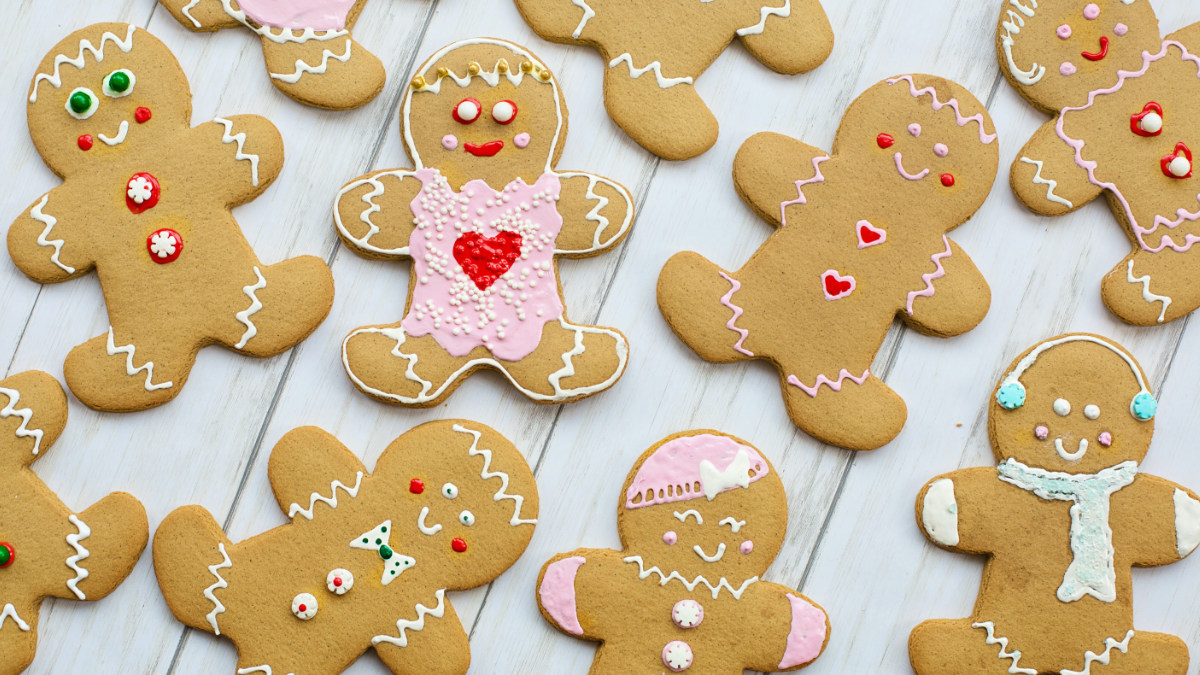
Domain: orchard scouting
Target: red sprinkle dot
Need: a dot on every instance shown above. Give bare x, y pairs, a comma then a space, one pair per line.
948, 179
458, 545
85, 142
303, 608
142, 114
337, 581
885, 141
416, 486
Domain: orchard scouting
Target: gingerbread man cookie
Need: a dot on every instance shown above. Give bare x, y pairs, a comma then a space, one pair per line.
145, 201
1062, 519
309, 52
1124, 101
46, 549
656, 50
367, 557
701, 517
861, 239
484, 217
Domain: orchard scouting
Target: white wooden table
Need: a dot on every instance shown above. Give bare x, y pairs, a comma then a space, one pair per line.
853, 544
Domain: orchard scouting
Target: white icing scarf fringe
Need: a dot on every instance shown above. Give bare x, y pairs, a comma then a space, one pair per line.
1091, 571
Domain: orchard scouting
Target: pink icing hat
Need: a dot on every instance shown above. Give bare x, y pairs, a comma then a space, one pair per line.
690, 467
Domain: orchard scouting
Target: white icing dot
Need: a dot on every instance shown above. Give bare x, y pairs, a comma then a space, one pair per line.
1062, 407
1091, 412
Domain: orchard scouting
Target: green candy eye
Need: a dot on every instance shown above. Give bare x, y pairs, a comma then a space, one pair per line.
82, 103
119, 83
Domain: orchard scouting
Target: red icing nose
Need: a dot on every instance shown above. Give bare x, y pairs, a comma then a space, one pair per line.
948, 179
416, 486
885, 141
458, 545
85, 142
141, 115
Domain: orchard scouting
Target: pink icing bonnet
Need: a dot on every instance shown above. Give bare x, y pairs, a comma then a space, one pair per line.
690, 467
299, 14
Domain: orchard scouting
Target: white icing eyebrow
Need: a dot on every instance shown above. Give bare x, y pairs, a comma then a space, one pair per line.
690, 512
733, 523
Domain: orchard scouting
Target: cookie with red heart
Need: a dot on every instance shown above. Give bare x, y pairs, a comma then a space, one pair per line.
484, 216
861, 240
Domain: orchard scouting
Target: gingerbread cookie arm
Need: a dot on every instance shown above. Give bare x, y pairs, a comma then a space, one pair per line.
794, 628
596, 214
771, 170
1147, 289
953, 296
1188, 36
1163, 521
1046, 178
33, 415
200, 15
190, 552
373, 213
791, 37
48, 243
332, 71
242, 155
954, 510
574, 591
432, 641
103, 543
308, 466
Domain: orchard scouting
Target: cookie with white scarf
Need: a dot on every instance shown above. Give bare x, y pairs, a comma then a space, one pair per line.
1062, 519
48, 550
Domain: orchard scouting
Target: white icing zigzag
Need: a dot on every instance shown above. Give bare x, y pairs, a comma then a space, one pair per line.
50, 221
331, 500
302, 68
635, 72
1004, 653
214, 570
55, 79
80, 554
240, 139
23, 431
758, 28
1144, 280
405, 625
588, 13
1092, 657
186, 12
251, 291
10, 611
1048, 182
130, 370
365, 216
691, 585
518, 500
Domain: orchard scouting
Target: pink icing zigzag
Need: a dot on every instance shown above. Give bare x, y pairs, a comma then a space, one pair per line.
726, 300
835, 385
1090, 166
984, 137
801, 199
929, 277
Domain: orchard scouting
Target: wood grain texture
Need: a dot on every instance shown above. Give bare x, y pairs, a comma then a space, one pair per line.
852, 544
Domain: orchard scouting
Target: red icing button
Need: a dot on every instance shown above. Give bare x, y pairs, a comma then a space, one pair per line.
416, 486
948, 179
1149, 122
885, 141
458, 545
1179, 163
485, 259
164, 245
85, 142
142, 115
141, 192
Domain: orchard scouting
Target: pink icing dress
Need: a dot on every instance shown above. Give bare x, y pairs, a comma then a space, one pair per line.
484, 264
298, 14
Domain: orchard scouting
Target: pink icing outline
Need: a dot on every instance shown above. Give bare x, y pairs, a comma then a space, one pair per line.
676, 465
984, 137
1090, 166
835, 385
557, 593
806, 638
930, 277
299, 14
727, 301
838, 277
877, 230
801, 199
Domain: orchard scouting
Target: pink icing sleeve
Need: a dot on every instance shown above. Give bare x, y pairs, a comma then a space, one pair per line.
557, 594
807, 637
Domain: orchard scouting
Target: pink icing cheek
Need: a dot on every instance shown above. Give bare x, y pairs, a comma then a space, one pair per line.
1064, 31
449, 141
521, 140
1120, 29
1067, 68
914, 129
669, 538
746, 547
1041, 432
1105, 438
1091, 11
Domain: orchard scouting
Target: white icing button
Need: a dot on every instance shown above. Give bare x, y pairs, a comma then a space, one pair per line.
687, 613
1180, 166
1091, 412
304, 606
1151, 124
339, 581
677, 656
1062, 407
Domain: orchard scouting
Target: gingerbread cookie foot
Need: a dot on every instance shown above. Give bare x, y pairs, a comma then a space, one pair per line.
126, 374
281, 305
663, 114
336, 74
834, 408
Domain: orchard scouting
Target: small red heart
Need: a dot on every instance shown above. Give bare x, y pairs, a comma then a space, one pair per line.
486, 259
869, 235
1136, 121
1172, 168
837, 286
885, 141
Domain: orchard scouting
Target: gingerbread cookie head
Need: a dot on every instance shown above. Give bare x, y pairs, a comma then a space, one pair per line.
704, 504
105, 89
1076, 403
925, 137
1056, 51
484, 109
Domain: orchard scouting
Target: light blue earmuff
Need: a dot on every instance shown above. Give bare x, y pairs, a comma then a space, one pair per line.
1143, 406
1011, 395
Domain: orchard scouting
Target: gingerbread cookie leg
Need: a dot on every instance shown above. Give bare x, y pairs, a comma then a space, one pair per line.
200, 15
439, 648
571, 362
126, 369
954, 297
104, 543
1146, 289
190, 551
961, 646
18, 635
831, 408
281, 305
793, 38
386, 363
1046, 178
699, 302
329, 70
658, 108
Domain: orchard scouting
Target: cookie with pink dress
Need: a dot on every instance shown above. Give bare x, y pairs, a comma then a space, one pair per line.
310, 54
484, 216
701, 516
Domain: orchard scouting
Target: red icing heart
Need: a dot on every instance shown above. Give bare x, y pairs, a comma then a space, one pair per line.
869, 235
1181, 150
485, 259
837, 286
1135, 121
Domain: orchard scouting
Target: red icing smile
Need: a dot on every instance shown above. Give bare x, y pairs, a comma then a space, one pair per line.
486, 259
488, 149
1097, 56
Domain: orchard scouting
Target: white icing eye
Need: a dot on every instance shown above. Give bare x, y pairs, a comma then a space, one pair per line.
466, 518
304, 606
82, 103
504, 112
467, 111
339, 581
119, 83
449, 490
1062, 407
1091, 412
